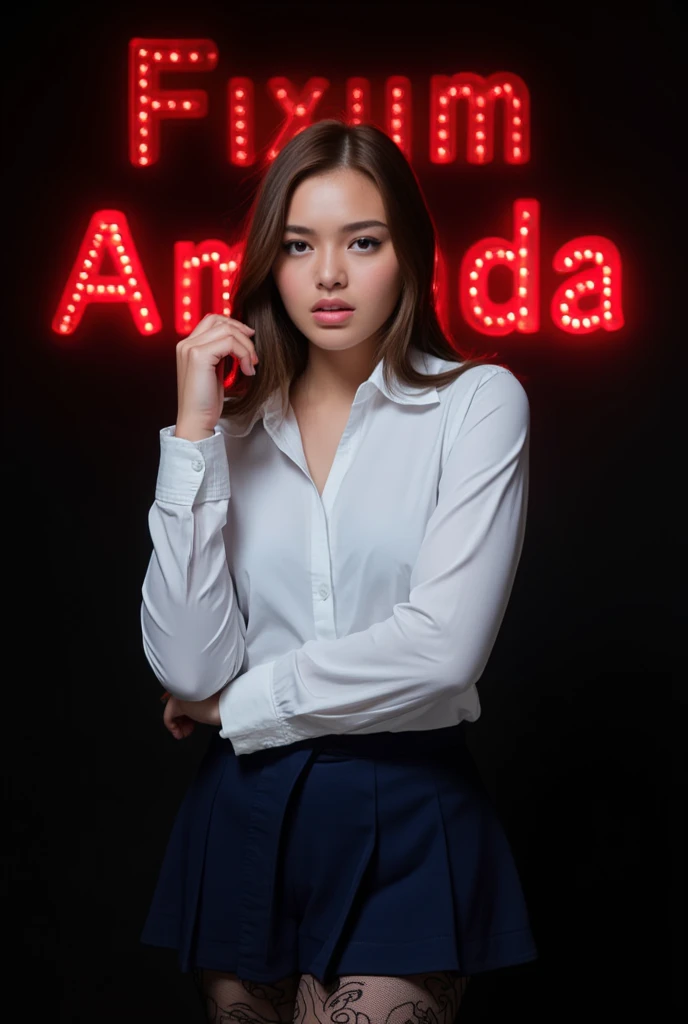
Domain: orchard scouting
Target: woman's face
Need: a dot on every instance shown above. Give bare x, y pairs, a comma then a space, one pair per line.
331, 261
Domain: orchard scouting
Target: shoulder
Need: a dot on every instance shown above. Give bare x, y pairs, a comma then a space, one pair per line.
488, 394
488, 383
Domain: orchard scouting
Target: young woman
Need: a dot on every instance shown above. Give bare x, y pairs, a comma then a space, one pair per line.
335, 534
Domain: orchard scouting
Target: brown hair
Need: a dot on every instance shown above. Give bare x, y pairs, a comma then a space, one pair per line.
329, 145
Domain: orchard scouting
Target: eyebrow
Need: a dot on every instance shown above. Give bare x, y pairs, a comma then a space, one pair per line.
358, 225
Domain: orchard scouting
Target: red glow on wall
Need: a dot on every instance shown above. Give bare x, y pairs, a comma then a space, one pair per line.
107, 235
522, 256
481, 95
190, 259
149, 104
440, 288
601, 282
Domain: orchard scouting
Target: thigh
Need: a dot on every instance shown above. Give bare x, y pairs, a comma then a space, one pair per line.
226, 997
375, 999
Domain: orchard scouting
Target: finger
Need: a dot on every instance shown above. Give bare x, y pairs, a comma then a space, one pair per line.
214, 320
223, 341
249, 331
210, 353
181, 727
221, 349
225, 328
172, 712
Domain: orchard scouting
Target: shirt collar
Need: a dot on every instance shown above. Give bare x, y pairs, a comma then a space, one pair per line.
271, 409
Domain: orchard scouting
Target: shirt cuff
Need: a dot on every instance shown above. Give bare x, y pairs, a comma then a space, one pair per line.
248, 714
192, 471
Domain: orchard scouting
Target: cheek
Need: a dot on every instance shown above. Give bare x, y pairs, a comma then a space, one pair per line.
382, 279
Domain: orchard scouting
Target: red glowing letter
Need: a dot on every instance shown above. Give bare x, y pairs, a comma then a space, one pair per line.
107, 233
398, 110
241, 122
521, 311
601, 282
148, 103
357, 100
481, 94
298, 108
189, 261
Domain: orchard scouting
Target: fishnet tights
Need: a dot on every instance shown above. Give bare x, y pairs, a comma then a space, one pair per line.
432, 998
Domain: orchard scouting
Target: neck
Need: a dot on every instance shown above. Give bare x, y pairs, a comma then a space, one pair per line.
334, 376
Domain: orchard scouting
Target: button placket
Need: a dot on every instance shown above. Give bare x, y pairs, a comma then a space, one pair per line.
323, 610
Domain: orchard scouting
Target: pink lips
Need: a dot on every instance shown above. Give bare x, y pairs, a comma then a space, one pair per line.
331, 316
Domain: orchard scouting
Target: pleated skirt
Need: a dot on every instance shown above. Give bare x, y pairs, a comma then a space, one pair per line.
355, 854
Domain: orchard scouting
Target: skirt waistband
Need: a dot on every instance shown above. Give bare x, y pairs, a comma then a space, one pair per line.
425, 744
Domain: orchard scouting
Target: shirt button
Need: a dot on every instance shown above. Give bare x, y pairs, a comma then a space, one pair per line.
197, 465
324, 592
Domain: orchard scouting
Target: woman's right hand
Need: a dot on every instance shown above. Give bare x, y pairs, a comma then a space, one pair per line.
200, 372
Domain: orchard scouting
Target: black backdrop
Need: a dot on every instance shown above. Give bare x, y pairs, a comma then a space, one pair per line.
575, 738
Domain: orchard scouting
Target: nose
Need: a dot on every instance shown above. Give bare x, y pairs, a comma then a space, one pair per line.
330, 271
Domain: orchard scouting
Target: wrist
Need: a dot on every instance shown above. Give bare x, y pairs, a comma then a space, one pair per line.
217, 718
190, 432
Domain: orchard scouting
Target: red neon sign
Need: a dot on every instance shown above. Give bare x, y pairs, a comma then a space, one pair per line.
589, 300
603, 280
149, 104
108, 232
521, 256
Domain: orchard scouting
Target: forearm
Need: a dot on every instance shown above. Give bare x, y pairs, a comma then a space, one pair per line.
193, 633
193, 630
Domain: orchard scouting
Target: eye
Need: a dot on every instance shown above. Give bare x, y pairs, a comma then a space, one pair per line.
296, 241
374, 244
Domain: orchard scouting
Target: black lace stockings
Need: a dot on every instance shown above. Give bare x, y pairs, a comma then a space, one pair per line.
431, 998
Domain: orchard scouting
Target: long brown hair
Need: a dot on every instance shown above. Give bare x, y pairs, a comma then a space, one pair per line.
330, 145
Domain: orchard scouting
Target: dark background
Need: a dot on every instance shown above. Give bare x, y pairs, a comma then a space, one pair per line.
578, 741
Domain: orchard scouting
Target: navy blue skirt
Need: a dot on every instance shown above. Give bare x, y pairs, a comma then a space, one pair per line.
353, 854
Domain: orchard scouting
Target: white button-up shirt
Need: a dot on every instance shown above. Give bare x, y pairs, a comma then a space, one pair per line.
371, 609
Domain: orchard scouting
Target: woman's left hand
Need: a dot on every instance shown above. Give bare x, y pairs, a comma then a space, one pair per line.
180, 716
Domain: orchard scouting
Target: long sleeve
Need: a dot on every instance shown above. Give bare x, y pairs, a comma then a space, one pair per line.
438, 642
193, 630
